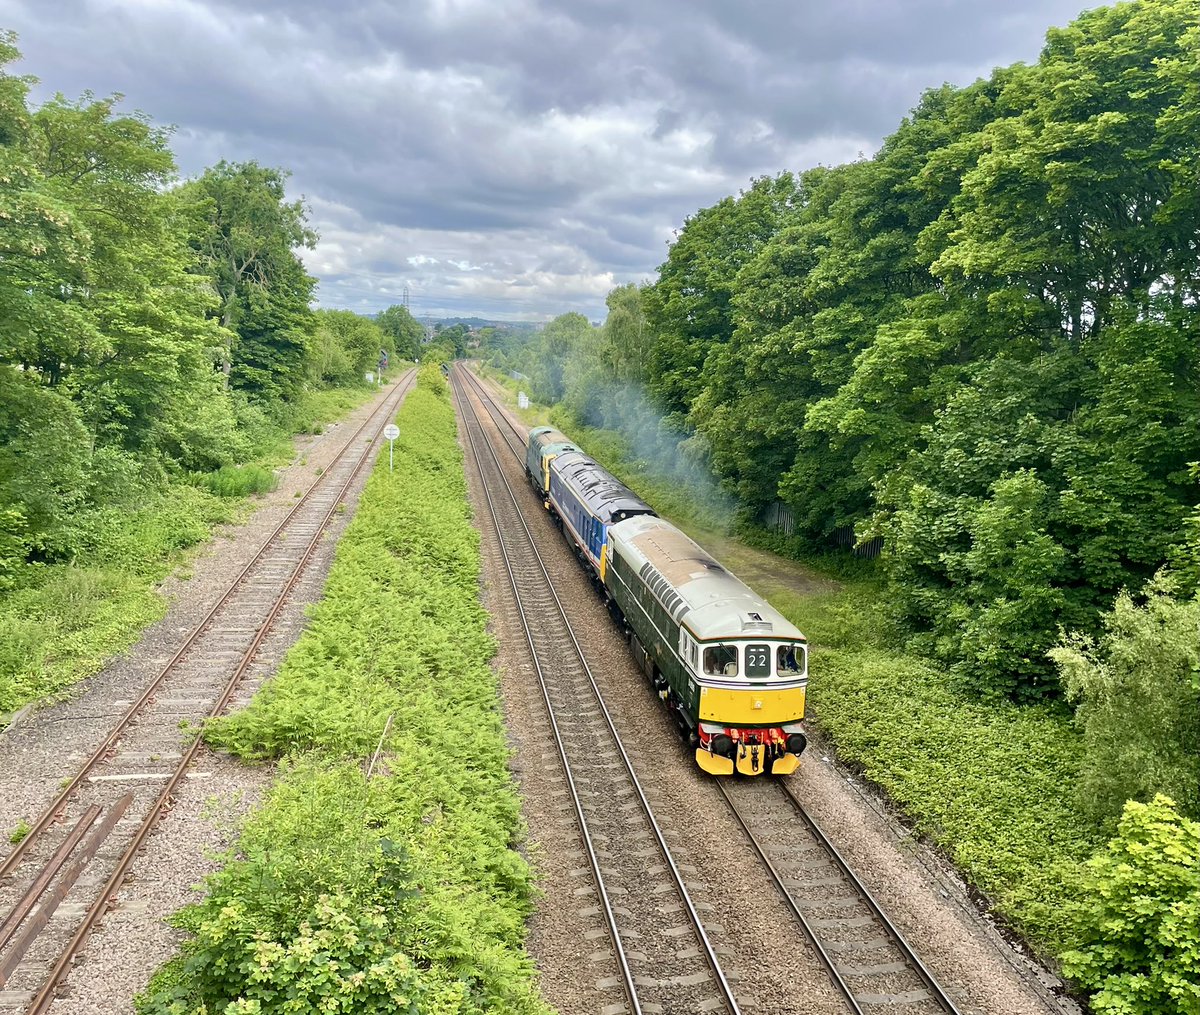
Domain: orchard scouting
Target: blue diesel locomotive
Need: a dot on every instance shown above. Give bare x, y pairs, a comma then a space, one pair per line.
731, 669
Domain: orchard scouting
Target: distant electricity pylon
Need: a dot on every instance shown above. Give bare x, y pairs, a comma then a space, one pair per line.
404, 298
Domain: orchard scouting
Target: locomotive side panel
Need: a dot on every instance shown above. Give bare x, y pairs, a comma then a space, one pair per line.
580, 526
658, 634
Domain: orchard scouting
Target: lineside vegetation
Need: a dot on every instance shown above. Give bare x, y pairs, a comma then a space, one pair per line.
976, 352
401, 892
143, 378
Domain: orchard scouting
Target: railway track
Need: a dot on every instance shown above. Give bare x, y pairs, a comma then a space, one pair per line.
868, 960
871, 964
58, 882
665, 959
514, 436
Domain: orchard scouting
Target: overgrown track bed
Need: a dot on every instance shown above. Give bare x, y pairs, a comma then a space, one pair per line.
666, 961
870, 962
58, 881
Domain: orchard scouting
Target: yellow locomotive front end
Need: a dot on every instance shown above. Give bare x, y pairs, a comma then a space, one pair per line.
749, 707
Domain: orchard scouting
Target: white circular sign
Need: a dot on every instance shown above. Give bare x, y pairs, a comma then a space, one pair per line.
391, 431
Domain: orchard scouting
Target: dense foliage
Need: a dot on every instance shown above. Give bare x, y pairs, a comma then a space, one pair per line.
402, 329
983, 344
1140, 691
152, 335
400, 892
992, 784
1138, 922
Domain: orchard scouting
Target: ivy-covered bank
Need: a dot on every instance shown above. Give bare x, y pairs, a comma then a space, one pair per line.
398, 891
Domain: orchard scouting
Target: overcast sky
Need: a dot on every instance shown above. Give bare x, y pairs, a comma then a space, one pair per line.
516, 159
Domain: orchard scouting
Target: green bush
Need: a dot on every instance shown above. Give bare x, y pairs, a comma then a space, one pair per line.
324, 908
1140, 700
402, 892
1137, 925
14, 546
66, 620
236, 480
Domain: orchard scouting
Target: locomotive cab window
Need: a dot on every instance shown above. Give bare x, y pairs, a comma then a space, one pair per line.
758, 660
721, 661
688, 649
790, 660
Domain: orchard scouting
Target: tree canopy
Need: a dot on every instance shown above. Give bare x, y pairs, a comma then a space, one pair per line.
148, 327
982, 344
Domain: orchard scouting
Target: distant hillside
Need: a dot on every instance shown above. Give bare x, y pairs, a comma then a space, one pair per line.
478, 322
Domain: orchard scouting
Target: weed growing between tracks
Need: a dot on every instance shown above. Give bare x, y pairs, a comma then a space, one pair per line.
398, 893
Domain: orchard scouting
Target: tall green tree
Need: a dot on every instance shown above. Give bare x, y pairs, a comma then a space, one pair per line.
454, 336
690, 306
402, 330
627, 336
107, 309
246, 235
345, 347
982, 343
559, 343
42, 247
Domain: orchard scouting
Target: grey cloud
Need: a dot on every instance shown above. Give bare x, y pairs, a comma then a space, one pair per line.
558, 143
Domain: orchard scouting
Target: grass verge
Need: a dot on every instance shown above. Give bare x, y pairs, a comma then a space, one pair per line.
401, 892
992, 784
66, 621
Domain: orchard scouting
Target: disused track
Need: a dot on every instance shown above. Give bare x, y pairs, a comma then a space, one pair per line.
665, 959
104, 812
868, 960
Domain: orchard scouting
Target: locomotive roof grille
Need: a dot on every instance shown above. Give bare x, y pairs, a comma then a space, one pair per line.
660, 587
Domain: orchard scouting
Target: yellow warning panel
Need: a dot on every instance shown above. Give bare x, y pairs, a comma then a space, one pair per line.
752, 706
